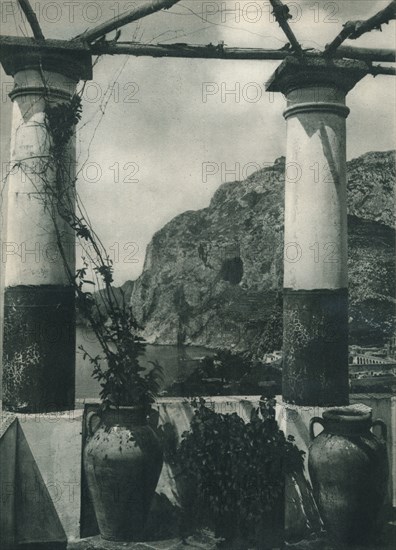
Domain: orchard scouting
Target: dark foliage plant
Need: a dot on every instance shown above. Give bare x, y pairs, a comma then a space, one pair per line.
235, 471
228, 372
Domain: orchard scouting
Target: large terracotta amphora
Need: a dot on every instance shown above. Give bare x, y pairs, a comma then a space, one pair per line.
122, 461
348, 467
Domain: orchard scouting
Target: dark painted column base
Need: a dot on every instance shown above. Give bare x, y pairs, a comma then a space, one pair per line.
315, 347
39, 348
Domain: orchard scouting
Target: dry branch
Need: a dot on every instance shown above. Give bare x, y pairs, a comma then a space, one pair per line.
147, 8
355, 29
32, 19
282, 14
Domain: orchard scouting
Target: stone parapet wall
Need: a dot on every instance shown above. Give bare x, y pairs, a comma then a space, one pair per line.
46, 449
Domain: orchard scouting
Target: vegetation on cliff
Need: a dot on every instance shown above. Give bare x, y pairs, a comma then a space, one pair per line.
214, 276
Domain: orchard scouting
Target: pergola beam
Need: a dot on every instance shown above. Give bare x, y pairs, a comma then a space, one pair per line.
184, 50
379, 69
209, 51
281, 13
355, 29
212, 51
32, 19
366, 54
146, 8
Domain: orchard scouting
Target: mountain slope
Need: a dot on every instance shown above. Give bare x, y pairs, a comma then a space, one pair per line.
214, 276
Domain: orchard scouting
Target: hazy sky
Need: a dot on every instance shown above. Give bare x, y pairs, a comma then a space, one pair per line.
165, 118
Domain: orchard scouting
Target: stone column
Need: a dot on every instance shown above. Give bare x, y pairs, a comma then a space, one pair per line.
315, 337
39, 316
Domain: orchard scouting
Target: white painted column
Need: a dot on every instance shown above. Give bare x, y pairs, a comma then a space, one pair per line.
315, 338
39, 308
315, 299
32, 258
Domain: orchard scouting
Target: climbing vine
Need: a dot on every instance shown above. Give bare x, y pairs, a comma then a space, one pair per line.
122, 379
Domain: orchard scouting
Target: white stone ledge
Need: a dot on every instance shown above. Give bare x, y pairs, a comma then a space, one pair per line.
55, 441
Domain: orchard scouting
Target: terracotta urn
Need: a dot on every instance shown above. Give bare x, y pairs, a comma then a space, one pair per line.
348, 467
122, 460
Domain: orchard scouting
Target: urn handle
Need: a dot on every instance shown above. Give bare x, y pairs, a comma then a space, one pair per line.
90, 416
384, 429
314, 420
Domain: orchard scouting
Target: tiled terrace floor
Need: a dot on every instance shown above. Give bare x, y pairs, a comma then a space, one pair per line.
203, 541
206, 541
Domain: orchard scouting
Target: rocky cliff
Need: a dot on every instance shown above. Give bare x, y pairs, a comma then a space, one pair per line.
124, 292
214, 276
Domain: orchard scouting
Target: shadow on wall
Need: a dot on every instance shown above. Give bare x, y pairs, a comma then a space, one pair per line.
170, 515
28, 515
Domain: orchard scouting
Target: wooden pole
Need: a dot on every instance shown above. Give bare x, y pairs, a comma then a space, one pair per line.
379, 69
355, 29
32, 19
281, 13
331, 48
146, 8
210, 51
220, 52
381, 18
366, 54
184, 50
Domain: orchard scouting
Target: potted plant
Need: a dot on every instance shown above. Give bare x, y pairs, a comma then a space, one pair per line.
123, 457
233, 474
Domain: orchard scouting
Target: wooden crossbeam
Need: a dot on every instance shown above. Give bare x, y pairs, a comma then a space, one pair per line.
381, 18
184, 50
212, 51
281, 13
366, 54
32, 19
209, 51
355, 29
379, 69
144, 9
